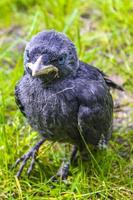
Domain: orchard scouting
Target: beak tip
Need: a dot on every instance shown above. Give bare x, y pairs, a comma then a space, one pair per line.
33, 74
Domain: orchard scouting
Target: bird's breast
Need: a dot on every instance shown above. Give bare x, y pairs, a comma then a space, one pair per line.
50, 111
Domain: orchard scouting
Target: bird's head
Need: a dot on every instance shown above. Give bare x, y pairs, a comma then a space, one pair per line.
50, 54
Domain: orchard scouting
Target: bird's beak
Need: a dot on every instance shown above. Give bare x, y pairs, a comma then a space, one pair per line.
39, 69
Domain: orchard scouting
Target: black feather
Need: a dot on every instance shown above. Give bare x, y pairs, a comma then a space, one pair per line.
18, 101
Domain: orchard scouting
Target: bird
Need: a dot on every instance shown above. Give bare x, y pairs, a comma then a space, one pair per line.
64, 99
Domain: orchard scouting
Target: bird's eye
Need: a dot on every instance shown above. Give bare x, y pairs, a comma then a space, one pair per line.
61, 59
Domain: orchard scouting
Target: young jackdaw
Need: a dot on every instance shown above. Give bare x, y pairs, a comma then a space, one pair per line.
63, 98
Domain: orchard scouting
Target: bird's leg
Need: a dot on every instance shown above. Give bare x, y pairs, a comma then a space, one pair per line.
64, 168
30, 154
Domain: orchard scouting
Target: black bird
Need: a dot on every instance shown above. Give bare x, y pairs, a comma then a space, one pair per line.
63, 98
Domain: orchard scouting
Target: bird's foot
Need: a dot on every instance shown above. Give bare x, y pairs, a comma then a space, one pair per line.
24, 159
64, 168
30, 154
102, 144
62, 172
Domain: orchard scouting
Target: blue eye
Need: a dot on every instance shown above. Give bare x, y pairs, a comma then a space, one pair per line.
61, 59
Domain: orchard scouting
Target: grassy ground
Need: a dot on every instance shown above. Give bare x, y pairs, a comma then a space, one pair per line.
102, 32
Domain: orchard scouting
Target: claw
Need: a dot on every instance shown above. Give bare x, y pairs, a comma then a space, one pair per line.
18, 161
32, 164
53, 178
62, 172
30, 154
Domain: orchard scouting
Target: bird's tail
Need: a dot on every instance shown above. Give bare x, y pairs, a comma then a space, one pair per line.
112, 84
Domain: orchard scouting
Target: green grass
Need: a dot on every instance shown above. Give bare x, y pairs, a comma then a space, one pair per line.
102, 32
